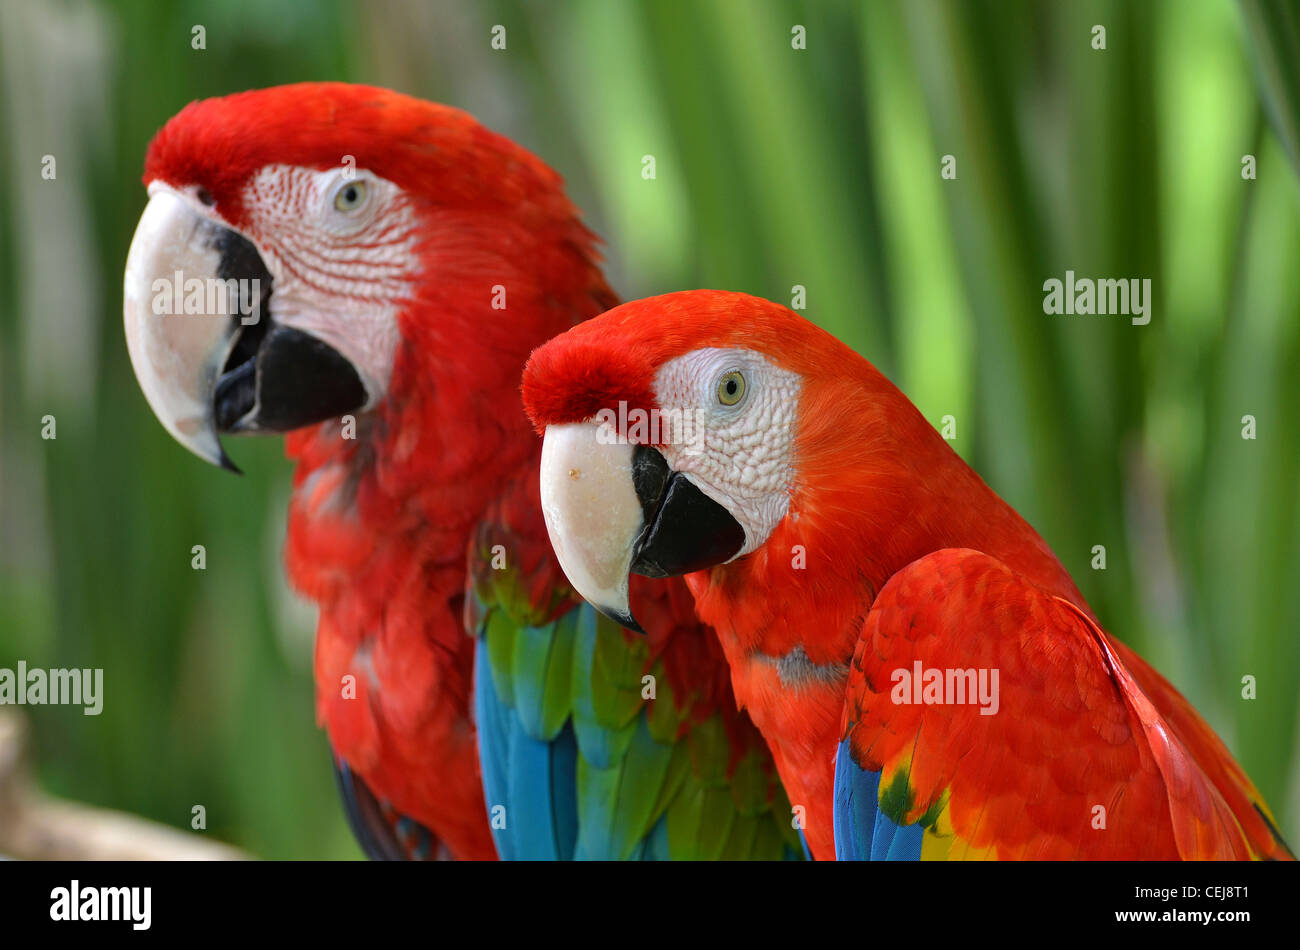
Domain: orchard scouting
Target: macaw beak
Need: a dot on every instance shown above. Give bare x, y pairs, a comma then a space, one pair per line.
613, 509
204, 346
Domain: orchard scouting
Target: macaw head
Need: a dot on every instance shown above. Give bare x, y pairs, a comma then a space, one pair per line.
310, 250
683, 431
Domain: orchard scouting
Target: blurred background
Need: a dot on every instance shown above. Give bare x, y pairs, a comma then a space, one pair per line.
775, 167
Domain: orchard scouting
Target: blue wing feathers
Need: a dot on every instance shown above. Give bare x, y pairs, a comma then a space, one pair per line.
862, 831
492, 724
532, 778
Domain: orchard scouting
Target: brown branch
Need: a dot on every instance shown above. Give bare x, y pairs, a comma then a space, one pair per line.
35, 826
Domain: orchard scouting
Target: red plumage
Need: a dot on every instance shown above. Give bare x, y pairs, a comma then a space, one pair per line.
379, 525
883, 508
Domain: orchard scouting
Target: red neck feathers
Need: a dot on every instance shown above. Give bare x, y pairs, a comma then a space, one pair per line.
876, 488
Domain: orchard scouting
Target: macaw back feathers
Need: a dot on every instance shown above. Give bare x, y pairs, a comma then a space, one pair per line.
635, 778
635, 740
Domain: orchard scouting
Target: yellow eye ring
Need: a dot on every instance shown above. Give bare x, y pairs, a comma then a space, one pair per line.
351, 196
731, 388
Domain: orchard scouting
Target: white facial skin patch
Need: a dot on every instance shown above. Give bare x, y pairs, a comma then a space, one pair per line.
739, 455
340, 245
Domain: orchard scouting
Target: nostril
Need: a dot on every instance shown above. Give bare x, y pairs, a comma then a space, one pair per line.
205, 197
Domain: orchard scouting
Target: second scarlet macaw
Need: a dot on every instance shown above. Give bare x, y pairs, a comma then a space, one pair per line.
368, 272
930, 681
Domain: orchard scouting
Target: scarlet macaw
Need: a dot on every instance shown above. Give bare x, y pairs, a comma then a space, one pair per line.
407, 261
930, 681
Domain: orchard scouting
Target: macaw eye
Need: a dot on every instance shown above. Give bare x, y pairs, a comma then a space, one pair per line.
351, 196
731, 388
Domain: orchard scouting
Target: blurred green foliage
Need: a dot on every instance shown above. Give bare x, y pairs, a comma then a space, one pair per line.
774, 167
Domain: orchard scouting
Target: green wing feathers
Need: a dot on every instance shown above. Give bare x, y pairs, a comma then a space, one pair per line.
663, 766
